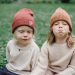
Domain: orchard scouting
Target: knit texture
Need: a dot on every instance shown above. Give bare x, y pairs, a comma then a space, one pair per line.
58, 58
61, 14
21, 60
24, 17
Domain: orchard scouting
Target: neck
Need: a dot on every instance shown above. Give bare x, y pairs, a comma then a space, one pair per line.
22, 44
61, 40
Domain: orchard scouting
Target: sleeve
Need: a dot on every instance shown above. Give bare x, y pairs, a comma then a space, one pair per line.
68, 71
72, 64
7, 53
42, 65
35, 58
9, 50
71, 68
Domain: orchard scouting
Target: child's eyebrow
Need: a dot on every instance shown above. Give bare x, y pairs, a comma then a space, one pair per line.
20, 30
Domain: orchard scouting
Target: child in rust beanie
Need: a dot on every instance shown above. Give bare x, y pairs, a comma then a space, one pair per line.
21, 52
57, 57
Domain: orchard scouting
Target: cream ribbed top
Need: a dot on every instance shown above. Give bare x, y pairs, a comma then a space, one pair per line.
21, 60
58, 58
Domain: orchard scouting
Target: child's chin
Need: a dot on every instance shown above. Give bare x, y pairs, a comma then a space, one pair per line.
26, 42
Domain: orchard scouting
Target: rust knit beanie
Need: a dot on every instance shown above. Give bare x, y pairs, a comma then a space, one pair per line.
61, 14
23, 17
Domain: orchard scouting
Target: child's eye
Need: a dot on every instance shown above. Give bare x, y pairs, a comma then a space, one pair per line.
56, 24
64, 23
20, 31
28, 31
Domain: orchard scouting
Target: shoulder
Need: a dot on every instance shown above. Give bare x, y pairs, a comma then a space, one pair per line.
10, 43
45, 45
35, 46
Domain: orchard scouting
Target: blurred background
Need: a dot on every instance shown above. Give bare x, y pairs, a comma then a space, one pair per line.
37, 1
42, 9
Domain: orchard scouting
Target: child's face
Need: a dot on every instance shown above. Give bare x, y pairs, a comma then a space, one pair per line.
60, 29
23, 35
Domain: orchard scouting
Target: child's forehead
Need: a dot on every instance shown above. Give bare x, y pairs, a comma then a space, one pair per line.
62, 21
24, 27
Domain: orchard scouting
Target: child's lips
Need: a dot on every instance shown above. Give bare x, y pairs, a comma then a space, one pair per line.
60, 31
25, 39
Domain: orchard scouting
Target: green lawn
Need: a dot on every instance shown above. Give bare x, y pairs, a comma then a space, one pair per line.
42, 13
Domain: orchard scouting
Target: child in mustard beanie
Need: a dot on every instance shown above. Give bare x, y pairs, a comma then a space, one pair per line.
57, 55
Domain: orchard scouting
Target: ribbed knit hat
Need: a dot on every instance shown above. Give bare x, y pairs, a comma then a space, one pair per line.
61, 14
23, 17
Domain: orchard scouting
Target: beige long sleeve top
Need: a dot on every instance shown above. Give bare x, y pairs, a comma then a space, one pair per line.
21, 60
58, 58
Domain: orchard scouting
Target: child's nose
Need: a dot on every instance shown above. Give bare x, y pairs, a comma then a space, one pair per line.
25, 34
60, 26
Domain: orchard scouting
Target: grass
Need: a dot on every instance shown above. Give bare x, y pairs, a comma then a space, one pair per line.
42, 13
